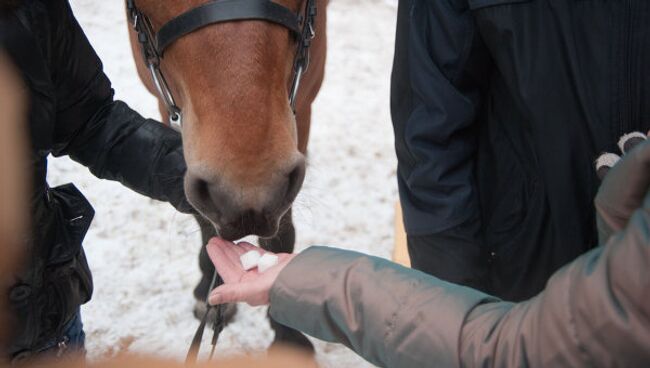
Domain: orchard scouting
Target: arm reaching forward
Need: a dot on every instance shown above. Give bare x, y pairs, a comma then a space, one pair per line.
593, 312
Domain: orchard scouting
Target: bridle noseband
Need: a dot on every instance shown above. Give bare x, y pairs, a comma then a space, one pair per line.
153, 45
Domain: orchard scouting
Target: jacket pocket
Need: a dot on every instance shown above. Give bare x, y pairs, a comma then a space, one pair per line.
479, 4
73, 217
66, 277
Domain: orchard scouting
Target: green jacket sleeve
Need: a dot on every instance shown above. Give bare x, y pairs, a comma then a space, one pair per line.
593, 313
391, 315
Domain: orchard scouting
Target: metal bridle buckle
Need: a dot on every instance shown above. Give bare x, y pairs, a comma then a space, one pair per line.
176, 119
159, 81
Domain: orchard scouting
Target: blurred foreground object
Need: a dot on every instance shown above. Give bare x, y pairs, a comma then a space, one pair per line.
13, 177
276, 358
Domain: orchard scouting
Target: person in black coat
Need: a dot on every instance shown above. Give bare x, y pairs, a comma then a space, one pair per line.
500, 108
72, 112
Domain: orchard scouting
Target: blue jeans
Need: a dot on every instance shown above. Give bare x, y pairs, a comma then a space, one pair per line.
73, 341
72, 344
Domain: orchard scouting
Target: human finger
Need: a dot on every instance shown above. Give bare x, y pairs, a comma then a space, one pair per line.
229, 270
230, 249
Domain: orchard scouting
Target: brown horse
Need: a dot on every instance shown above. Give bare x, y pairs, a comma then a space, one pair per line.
244, 147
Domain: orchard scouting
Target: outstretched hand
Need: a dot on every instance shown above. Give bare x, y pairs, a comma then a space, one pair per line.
251, 287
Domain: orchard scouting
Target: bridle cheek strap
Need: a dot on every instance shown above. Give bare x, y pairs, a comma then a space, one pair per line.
225, 11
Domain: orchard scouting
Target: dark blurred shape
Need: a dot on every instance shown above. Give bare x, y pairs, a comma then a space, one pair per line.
13, 179
7, 6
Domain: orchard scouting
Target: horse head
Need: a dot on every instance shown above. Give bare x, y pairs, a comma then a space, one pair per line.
231, 81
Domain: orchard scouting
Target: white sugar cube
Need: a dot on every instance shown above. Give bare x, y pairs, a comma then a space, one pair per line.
250, 259
267, 261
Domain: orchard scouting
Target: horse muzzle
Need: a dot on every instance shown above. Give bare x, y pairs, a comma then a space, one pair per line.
237, 211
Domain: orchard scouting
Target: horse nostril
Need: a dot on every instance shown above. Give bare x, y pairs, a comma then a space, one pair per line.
199, 193
202, 190
296, 177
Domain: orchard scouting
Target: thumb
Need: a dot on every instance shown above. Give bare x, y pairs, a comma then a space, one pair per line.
226, 293
233, 293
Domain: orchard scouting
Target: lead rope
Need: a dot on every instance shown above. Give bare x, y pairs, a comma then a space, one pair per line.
218, 324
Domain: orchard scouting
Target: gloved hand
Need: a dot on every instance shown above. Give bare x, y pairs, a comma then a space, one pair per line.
624, 186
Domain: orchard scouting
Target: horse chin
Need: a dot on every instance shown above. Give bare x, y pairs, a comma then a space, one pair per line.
233, 234
239, 229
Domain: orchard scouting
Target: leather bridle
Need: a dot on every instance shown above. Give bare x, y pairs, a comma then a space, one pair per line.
153, 45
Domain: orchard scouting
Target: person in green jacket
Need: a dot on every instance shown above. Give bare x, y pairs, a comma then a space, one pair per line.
593, 312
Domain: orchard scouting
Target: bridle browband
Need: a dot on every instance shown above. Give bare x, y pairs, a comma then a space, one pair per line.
153, 45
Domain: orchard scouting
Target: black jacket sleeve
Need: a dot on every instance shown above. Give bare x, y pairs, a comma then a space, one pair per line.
440, 62
112, 140
439, 69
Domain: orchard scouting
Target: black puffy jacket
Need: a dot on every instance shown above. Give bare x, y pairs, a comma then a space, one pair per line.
72, 112
500, 108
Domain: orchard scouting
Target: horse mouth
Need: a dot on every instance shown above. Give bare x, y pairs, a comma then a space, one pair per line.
248, 224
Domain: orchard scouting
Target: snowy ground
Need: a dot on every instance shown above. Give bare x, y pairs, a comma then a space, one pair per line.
143, 254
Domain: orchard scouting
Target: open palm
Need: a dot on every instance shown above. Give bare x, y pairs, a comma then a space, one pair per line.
251, 287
